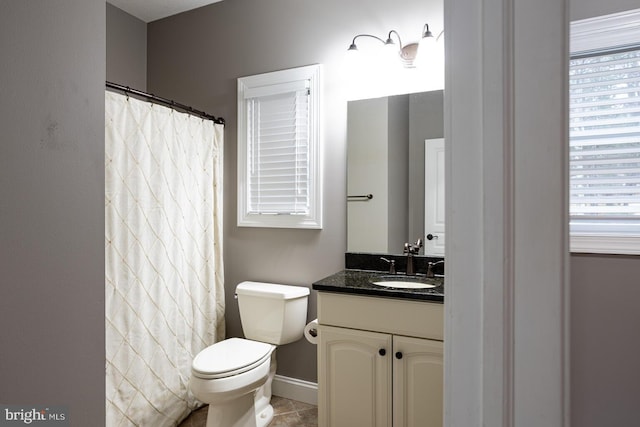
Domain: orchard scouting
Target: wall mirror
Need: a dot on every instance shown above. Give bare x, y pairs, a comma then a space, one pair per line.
388, 141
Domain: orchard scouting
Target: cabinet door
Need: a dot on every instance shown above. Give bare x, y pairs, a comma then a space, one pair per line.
417, 382
354, 381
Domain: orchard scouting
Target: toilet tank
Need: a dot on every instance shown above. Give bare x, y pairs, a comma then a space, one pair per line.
272, 313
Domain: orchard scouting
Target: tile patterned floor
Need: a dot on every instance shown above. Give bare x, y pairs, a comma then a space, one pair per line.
288, 413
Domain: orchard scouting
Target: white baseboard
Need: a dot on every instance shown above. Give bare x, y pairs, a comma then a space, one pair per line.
295, 389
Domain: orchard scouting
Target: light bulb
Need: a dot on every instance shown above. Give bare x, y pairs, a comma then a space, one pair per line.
426, 51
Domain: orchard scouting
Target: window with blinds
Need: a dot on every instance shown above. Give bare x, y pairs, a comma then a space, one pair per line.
278, 156
604, 135
278, 149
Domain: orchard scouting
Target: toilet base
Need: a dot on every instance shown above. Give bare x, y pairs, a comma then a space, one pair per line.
242, 412
263, 406
249, 410
264, 418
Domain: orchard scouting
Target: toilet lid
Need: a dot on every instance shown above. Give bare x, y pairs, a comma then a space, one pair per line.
230, 357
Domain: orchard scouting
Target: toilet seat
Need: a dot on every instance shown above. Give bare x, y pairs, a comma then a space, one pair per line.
230, 357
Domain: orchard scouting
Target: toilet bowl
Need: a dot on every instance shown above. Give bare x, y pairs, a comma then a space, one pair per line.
230, 384
234, 376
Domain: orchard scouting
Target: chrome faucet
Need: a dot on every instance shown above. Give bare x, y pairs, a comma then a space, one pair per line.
411, 250
430, 266
392, 264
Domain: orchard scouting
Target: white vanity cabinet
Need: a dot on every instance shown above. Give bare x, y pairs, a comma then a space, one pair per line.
380, 362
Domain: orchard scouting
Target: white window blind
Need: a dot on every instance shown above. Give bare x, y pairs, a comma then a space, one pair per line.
604, 134
278, 150
604, 138
279, 155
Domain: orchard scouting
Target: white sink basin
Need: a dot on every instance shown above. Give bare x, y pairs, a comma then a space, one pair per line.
404, 284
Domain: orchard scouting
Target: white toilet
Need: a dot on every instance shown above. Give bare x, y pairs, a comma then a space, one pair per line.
234, 376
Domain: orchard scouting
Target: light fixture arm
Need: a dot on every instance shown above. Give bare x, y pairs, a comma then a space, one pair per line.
353, 43
390, 40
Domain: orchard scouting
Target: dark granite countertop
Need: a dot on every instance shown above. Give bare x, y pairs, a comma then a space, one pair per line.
354, 281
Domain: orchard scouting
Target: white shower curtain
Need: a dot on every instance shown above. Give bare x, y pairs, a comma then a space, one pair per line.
163, 249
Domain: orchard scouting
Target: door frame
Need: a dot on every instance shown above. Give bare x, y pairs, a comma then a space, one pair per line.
507, 305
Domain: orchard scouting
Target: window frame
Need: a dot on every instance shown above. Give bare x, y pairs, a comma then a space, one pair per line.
602, 33
310, 74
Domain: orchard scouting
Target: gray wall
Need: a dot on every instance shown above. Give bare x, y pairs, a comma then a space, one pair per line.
397, 155
605, 291
583, 9
426, 121
126, 49
605, 377
196, 57
52, 205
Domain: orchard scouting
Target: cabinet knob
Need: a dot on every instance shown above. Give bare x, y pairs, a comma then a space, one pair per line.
382, 352
399, 355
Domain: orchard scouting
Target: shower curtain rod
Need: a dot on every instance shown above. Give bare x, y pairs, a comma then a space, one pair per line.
167, 102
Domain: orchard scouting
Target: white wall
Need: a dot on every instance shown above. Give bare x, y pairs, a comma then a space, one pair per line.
52, 205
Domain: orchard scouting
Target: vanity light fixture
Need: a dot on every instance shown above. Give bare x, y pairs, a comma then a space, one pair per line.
410, 54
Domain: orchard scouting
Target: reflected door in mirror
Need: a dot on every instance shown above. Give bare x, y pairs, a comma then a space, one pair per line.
434, 197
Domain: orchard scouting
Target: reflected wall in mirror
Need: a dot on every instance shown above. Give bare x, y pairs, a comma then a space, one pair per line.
386, 159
